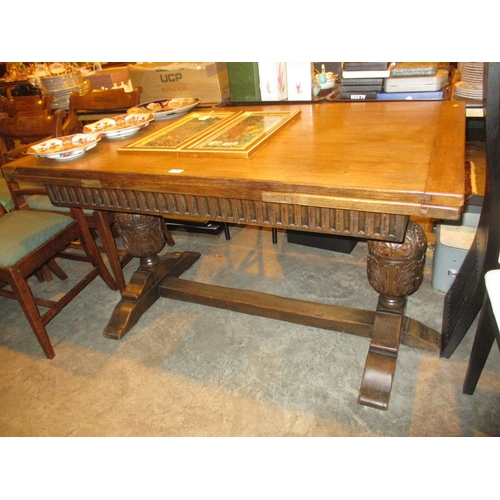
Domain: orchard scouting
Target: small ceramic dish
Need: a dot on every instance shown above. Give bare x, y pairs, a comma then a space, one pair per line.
62, 148
165, 109
120, 126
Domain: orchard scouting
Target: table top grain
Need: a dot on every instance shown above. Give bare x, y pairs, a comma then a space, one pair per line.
396, 157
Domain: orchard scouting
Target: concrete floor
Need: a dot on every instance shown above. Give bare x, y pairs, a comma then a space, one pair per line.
190, 370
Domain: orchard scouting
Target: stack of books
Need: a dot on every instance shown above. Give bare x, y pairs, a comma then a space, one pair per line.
362, 80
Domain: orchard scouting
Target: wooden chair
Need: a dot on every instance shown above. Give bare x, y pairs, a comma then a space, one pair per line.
98, 104
15, 105
466, 295
31, 240
34, 197
99, 222
10, 107
27, 127
486, 333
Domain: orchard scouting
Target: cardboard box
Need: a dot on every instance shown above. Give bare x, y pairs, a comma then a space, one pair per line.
273, 83
205, 80
300, 77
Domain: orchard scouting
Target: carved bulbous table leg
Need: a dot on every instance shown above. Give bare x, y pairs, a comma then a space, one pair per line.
143, 236
395, 270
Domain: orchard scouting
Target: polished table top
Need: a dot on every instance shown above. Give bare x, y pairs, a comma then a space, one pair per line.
397, 157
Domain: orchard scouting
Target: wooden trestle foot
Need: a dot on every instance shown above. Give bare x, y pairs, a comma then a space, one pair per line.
142, 291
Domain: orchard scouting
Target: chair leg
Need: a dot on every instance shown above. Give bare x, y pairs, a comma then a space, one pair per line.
40, 274
275, 235
168, 235
56, 269
108, 242
43, 274
485, 336
24, 296
89, 245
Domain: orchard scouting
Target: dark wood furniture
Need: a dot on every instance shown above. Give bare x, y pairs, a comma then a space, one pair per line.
353, 169
26, 127
38, 125
14, 105
32, 240
98, 104
465, 297
14, 128
487, 332
476, 284
99, 222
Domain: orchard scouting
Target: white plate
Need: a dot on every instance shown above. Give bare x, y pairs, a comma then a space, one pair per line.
119, 126
469, 90
167, 112
63, 148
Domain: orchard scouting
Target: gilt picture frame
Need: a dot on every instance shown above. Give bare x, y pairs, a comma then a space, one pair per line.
181, 132
216, 134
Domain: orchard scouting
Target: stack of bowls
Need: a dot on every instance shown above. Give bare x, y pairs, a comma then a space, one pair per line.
61, 86
470, 85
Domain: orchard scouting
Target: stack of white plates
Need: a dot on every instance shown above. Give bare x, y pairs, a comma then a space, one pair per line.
60, 88
471, 84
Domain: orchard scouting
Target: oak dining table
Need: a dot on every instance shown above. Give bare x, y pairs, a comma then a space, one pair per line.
355, 169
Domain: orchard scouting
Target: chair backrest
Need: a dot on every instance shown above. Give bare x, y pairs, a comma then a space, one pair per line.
99, 100
25, 103
90, 106
464, 299
29, 126
491, 203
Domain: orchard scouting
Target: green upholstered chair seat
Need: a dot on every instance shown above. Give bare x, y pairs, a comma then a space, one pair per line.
42, 202
22, 231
